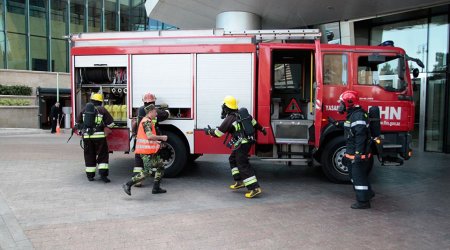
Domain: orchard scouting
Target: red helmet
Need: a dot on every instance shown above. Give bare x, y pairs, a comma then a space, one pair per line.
349, 98
149, 97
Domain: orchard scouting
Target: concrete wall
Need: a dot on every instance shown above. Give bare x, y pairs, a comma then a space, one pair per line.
34, 79
19, 117
27, 116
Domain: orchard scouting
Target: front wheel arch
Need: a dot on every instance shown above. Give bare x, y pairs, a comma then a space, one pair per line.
175, 154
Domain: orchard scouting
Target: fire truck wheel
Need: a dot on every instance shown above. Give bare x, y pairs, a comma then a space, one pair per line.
174, 155
333, 166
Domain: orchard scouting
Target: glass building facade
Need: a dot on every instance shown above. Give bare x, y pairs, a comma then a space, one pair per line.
423, 34
32, 31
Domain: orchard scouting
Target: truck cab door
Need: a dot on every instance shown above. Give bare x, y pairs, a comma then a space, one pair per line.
318, 113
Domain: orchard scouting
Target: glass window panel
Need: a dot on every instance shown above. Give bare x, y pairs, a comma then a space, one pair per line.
110, 15
95, 16
2, 38
38, 17
16, 44
436, 82
157, 25
38, 53
59, 55
138, 16
77, 16
335, 69
124, 15
383, 72
2, 26
332, 33
2, 50
58, 18
286, 75
437, 45
15, 16
409, 35
435, 111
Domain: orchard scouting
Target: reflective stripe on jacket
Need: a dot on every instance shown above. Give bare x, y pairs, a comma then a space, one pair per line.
98, 122
143, 144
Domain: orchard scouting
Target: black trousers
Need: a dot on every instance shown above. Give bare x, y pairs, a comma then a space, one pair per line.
54, 120
96, 152
241, 168
359, 176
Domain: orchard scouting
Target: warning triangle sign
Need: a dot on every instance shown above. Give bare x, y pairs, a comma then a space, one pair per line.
292, 107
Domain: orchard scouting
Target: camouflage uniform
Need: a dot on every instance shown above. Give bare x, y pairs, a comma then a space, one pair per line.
152, 163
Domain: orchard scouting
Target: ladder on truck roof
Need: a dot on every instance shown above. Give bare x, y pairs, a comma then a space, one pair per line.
294, 34
180, 37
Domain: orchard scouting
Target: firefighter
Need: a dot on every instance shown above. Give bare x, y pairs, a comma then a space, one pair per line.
162, 114
241, 170
357, 147
148, 144
92, 122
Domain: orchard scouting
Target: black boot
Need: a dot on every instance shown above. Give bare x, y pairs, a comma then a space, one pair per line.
157, 189
105, 179
91, 178
361, 205
127, 187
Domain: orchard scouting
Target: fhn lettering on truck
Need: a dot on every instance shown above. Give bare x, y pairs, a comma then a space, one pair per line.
390, 116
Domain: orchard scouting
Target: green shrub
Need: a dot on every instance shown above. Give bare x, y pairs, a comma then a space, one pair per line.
15, 90
14, 102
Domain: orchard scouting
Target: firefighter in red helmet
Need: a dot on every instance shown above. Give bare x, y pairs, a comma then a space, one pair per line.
356, 130
162, 114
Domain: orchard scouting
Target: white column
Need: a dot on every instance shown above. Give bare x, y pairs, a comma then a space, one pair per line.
347, 33
238, 21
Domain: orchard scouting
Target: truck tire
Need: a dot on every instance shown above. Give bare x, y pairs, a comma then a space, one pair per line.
174, 154
331, 160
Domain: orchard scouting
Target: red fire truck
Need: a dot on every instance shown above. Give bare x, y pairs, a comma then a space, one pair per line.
287, 79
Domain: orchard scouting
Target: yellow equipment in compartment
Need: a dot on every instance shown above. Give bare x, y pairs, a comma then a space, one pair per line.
118, 112
123, 110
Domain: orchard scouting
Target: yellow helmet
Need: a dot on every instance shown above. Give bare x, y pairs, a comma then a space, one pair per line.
97, 97
230, 102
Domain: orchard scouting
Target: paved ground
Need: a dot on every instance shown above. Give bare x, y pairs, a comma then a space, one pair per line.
47, 203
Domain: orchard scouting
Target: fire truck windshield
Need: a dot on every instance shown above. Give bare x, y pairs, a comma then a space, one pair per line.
386, 72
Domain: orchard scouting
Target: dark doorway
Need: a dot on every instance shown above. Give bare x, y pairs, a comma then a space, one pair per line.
47, 98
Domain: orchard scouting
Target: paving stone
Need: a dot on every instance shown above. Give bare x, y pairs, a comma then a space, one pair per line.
47, 203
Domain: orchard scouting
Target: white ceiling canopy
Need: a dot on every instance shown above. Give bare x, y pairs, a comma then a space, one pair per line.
201, 14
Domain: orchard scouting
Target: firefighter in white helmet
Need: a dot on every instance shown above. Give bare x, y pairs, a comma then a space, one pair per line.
162, 114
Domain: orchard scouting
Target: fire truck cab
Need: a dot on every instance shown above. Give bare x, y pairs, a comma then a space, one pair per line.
287, 80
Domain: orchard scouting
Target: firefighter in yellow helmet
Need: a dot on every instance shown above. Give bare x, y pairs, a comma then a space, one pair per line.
91, 124
241, 125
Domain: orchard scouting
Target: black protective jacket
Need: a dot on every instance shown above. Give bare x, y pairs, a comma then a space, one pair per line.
357, 131
55, 112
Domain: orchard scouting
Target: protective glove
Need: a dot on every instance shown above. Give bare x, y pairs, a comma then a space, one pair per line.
207, 130
263, 131
333, 121
164, 106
